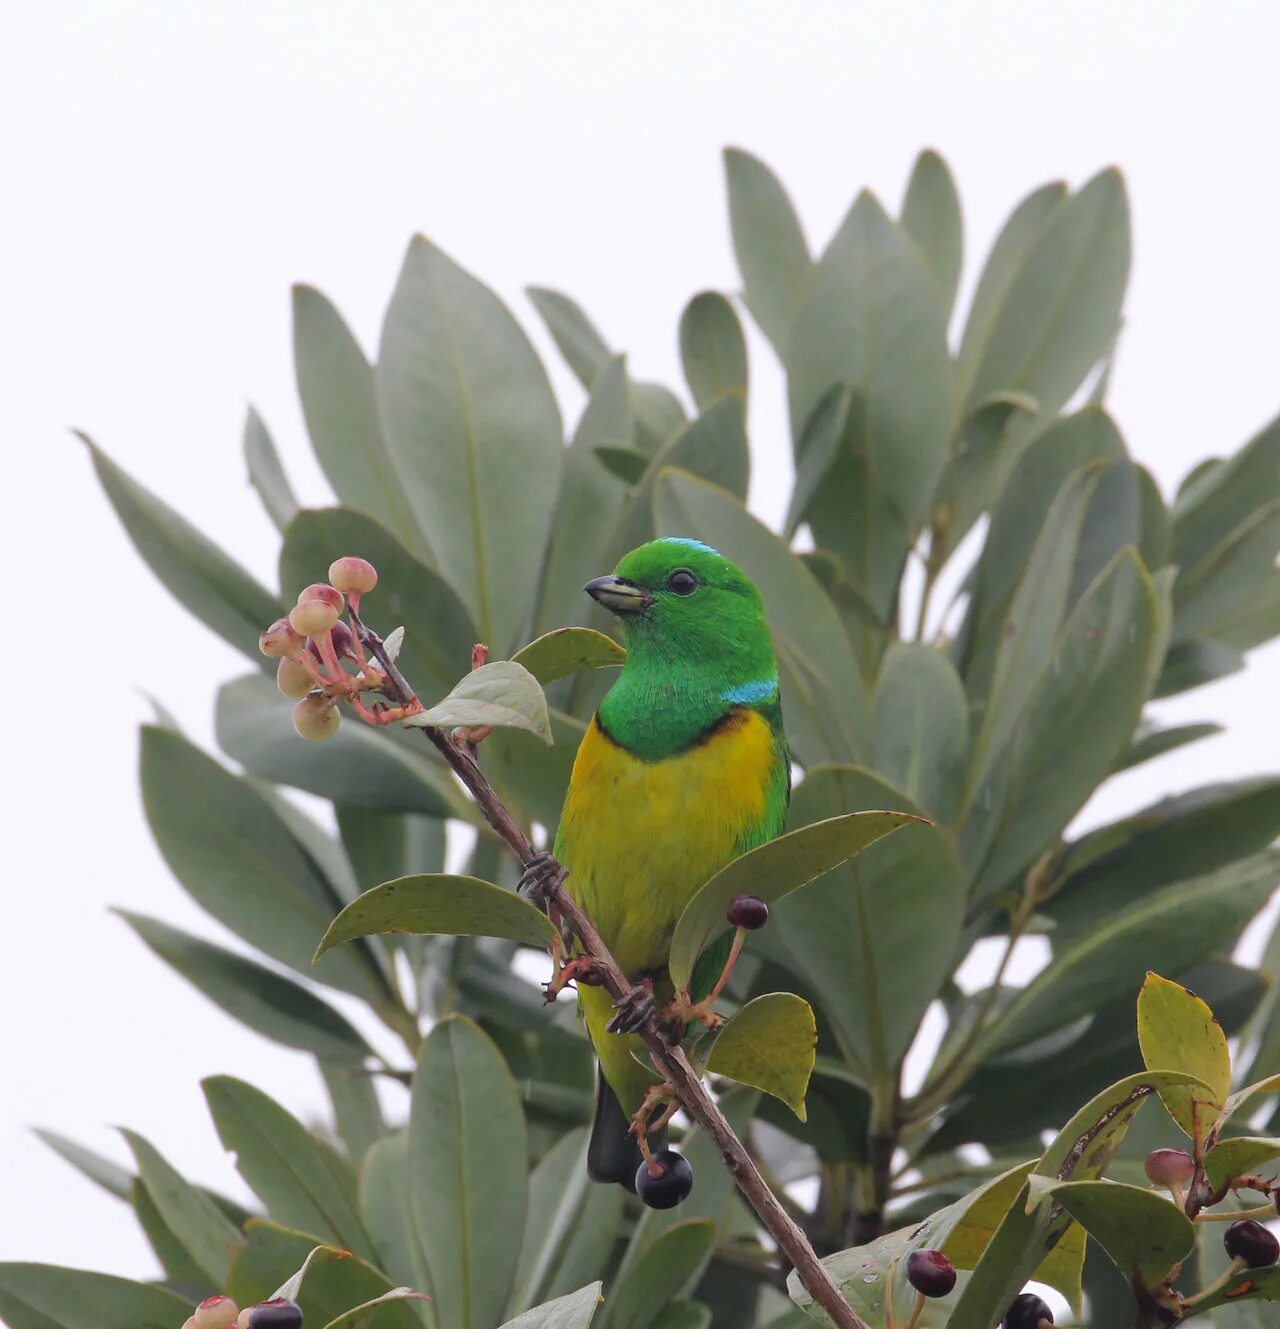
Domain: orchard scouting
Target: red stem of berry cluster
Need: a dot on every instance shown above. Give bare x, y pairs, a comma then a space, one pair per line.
671, 1061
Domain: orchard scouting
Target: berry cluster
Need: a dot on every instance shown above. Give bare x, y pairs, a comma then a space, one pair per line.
222, 1313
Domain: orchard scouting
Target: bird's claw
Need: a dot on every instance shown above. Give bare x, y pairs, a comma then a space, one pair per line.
634, 1010
542, 878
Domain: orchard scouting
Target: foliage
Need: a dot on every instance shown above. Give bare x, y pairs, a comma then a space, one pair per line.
981, 467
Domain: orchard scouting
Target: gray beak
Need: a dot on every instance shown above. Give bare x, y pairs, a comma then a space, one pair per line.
618, 596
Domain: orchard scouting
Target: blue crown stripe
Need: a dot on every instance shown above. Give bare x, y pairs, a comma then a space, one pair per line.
691, 544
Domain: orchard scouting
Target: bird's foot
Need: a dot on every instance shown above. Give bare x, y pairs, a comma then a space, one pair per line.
542, 878
682, 1012
661, 1102
634, 1010
581, 969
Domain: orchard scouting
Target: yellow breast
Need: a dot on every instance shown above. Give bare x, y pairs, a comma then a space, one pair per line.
639, 837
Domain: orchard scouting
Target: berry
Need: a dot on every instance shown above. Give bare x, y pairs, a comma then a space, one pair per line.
215, 1313
353, 574
242, 1320
1027, 1311
293, 679
278, 1313
930, 1273
1170, 1167
670, 1186
319, 590
748, 911
341, 636
312, 617
279, 639
1249, 1241
316, 719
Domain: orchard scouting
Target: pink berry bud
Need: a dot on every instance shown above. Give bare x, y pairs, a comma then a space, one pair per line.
279, 639
353, 574
320, 590
245, 1318
342, 643
312, 617
316, 718
293, 679
1170, 1167
215, 1313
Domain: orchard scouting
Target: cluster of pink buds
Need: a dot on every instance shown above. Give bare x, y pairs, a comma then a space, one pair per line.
222, 1313
314, 647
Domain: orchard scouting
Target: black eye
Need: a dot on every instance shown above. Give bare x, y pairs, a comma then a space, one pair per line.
682, 582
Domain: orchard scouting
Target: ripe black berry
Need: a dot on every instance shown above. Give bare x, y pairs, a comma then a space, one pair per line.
931, 1273
668, 1187
748, 911
277, 1313
1249, 1241
1026, 1311
1170, 1167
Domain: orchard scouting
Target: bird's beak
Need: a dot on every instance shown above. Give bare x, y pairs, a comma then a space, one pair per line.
618, 596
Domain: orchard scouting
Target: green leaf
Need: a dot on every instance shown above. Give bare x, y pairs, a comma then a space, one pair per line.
1211, 598
266, 474
661, 1275
180, 1269
1192, 664
628, 464
773, 257
103, 1172
574, 1311
502, 694
357, 1112
267, 1002
301, 1181
531, 776
465, 404
772, 871
1252, 1285
820, 681
44, 1296
931, 217
336, 387
198, 1225
438, 904
769, 1044
385, 1208
565, 651
1238, 1156
360, 1315
204, 580
712, 349
243, 865
684, 1315
1154, 742
467, 1161
1178, 1032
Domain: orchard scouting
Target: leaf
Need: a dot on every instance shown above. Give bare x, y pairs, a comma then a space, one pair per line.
931, 217
44, 1296
1238, 1156
103, 1172
1144, 1233
268, 1003
661, 1275
360, 765
628, 464
531, 776
198, 1225
266, 474
821, 686
362, 1314
357, 1112
773, 871
1178, 1032
1156, 742
1212, 597
465, 404
712, 349
503, 694
204, 580
243, 865
467, 1161
773, 257
1252, 1285
1192, 664
684, 1315
385, 1209
769, 1044
302, 1182
565, 651
574, 1311
336, 387
438, 904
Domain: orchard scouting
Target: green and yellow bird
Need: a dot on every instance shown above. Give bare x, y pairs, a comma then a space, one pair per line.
683, 768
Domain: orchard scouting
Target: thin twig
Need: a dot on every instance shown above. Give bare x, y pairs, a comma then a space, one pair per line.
670, 1061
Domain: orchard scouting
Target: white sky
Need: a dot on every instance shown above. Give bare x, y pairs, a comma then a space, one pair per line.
166, 171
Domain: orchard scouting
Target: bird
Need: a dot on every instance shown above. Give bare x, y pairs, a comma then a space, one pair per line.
683, 767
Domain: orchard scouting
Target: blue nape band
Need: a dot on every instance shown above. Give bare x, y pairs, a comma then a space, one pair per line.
747, 694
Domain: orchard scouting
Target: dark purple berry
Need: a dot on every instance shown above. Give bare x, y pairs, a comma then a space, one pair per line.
748, 911
668, 1187
1027, 1311
1170, 1167
930, 1273
1249, 1241
278, 1313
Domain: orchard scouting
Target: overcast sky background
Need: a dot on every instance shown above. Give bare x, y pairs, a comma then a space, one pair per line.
166, 171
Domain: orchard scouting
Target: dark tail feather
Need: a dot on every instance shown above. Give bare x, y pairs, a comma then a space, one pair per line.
612, 1152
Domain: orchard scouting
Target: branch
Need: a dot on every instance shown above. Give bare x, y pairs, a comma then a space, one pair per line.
670, 1061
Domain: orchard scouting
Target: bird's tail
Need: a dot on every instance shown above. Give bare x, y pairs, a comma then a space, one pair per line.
612, 1151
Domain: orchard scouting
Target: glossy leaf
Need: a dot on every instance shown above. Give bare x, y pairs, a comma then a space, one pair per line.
437, 904
661, 1275
503, 694
1178, 1032
204, 580
712, 349
771, 872
463, 401
266, 473
931, 217
467, 1161
573, 1311
1238, 1156
564, 651
44, 1296
769, 1044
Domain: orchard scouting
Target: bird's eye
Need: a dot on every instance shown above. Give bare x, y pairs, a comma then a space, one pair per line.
682, 582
